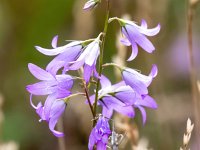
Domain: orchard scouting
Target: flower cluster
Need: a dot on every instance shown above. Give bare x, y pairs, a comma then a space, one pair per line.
123, 97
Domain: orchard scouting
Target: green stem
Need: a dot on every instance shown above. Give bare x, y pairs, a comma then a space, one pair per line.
101, 57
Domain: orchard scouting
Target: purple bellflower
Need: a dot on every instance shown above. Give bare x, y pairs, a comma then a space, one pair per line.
99, 134
56, 87
118, 97
87, 59
136, 35
137, 81
65, 54
56, 110
123, 99
91, 4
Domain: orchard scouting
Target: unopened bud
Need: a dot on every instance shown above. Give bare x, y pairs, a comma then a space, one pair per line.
91, 4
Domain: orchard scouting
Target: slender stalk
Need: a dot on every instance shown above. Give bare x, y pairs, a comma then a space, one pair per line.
88, 98
192, 70
101, 57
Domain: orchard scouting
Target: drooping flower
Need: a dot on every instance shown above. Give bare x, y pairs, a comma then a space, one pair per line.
91, 4
56, 110
99, 134
136, 35
87, 59
65, 54
56, 87
137, 81
118, 97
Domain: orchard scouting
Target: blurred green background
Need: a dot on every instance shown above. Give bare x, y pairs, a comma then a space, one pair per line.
25, 24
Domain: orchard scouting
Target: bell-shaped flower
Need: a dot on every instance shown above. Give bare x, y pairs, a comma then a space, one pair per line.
100, 134
118, 97
87, 59
91, 4
136, 35
65, 54
144, 101
137, 81
56, 87
56, 110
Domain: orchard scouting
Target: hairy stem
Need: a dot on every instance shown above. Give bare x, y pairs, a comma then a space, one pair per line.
101, 57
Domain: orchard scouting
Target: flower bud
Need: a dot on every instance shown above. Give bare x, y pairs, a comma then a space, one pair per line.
91, 4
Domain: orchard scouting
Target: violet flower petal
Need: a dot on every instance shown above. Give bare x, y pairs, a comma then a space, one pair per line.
57, 110
134, 80
146, 101
101, 146
39, 73
87, 72
144, 115
42, 88
139, 38
125, 42
48, 104
54, 41
134, 52
93, 55
63, 59
58, 50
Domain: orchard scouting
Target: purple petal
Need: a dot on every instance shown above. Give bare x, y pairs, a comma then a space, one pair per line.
125, 42
57, 108
113, 103
144, 24
139, 38
87, 72
63, 59
52, 123
54, 41
107, 112
128, 97
147, 101
31, 96
77, 64
150, 32
135, 80
39, 73
144, 115
42, 88
40, 111
48, 104
64, 81
118, 85
105, 82
62, 93
101, 146
125, 110
58, 50
89, 5
154, 71
134, 51
92, 140
105, 138
93, 54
